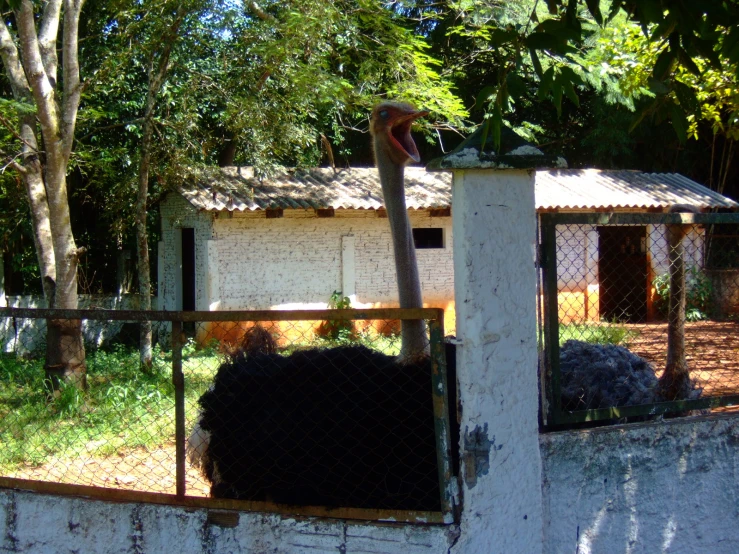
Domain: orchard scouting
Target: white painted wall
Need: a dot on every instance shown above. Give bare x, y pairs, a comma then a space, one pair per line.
667, 487
24, 336
176, 214
297, 261
39, 524
659, 248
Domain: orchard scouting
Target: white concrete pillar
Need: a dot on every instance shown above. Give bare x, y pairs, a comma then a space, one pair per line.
495, 294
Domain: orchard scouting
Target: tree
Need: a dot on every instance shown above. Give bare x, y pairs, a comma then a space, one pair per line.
157, 69
684, 33
43, 126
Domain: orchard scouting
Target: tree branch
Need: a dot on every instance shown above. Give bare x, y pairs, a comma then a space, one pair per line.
48, 32
72, 88
13, 67
12, 129
259, 12
41, 88
15, 165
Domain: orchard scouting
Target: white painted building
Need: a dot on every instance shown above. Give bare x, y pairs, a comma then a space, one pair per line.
232, 242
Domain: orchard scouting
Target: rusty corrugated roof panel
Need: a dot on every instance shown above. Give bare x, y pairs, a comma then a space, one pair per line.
610, 189
237, 189
357, 188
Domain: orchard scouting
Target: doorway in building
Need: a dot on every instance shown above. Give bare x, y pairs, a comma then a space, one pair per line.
622, 272
188, 269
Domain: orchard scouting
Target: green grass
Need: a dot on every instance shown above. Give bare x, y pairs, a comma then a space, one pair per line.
597, 333
123, 408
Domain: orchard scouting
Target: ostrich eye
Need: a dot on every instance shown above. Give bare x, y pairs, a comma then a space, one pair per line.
383, 114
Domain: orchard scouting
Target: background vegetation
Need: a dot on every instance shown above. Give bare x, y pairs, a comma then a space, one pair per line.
637, 85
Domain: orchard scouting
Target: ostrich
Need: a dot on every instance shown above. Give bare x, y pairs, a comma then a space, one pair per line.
390, 126
344, 426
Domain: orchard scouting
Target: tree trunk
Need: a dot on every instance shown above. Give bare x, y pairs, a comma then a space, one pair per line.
142, 243
33, 79
675, 381
155, 82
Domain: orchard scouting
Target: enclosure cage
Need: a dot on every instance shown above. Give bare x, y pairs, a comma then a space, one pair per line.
606, 281
306, 412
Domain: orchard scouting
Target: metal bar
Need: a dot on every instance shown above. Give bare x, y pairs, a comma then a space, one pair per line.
252, 315
440, 395
178, 380
659, 408
118, 495
551, 322
638, 218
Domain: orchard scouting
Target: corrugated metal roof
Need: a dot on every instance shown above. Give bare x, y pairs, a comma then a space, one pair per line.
355, 188
231, 189
608, 189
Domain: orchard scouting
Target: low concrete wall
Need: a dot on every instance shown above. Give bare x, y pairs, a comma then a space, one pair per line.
662, 487
26, 336
35, 523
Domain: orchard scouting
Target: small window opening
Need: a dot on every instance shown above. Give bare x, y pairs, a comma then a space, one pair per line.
428, 238
273, 213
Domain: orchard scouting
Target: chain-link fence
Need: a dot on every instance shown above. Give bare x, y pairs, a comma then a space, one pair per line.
321, 408
640, 315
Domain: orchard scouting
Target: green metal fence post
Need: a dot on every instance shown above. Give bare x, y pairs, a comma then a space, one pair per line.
178, 380
441, 418
551, 319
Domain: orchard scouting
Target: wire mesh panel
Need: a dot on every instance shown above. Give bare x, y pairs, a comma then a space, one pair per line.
266, 407
117, 431
641, 314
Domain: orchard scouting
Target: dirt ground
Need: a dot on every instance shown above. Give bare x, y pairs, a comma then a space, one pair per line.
713, 356
711, 349
151, 470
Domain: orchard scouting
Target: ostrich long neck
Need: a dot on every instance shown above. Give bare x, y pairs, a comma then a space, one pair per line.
413, 332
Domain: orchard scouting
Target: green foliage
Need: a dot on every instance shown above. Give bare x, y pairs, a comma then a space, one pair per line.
338, 330
703, 91
602, 333
698, 298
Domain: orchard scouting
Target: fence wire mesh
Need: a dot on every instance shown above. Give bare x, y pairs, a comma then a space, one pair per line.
308, 413
639, 314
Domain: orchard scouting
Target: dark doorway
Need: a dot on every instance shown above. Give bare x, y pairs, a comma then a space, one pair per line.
188, 269
622, 272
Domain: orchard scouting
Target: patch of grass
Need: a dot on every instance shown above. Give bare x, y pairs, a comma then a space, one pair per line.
124, 407
597, 333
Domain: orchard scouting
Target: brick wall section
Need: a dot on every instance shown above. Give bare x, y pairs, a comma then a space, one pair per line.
295, 261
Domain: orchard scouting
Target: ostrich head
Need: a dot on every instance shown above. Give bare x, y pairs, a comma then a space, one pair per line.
390, 126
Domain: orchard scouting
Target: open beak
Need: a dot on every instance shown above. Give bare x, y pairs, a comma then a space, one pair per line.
399, 132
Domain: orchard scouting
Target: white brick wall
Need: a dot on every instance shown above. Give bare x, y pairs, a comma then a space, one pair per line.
295, 262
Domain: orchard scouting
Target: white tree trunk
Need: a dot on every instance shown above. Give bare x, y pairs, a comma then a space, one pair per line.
33, 77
